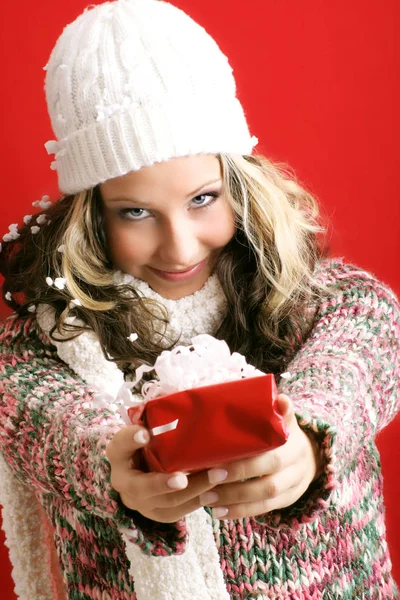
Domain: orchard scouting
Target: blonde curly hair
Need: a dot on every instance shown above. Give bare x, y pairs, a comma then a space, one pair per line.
266, 270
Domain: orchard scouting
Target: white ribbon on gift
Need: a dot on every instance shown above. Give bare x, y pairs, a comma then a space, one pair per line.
206, 361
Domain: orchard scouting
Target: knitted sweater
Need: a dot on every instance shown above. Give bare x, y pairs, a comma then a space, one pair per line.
344, 383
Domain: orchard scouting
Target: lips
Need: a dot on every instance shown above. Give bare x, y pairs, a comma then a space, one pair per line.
180, 271
180, 275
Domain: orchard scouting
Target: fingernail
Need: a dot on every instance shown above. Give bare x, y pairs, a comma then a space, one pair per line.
217, 475
141, 437
208, 498
219, 512
177, 482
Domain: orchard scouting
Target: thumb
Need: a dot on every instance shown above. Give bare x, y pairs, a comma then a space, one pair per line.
284, 407
126, 442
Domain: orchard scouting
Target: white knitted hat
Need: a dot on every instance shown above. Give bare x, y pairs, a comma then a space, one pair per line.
134, 82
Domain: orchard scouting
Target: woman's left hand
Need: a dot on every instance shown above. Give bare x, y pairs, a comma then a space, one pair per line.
269, 481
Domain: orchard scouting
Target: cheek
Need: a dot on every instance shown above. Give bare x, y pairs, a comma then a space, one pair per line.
221, 227
125, 248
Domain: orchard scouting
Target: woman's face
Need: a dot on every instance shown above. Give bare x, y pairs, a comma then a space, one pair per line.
166, 224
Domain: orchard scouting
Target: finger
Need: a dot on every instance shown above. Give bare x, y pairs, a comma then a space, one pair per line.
285, 407
198, 485
260, 507
167, 507
135, 486
267, 487
267, 463
126, 442
173, 514
271, 461
162, 490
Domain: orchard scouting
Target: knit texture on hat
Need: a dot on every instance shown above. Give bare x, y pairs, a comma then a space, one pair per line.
134, 82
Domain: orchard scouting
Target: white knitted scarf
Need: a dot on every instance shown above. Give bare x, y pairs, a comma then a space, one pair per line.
195, 574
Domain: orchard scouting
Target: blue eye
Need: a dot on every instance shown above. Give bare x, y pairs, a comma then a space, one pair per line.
139, 214
134, 214
205, 200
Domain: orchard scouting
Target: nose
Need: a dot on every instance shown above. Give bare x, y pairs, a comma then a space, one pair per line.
179, 245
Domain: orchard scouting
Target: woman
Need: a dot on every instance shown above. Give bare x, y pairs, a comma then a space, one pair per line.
168, 227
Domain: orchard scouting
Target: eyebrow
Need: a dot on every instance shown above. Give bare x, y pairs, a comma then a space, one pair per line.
143, 204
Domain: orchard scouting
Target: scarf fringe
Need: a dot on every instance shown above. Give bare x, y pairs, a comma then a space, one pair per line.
36, 574
196, 574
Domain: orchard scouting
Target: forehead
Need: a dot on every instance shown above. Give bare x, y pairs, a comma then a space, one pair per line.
179, 176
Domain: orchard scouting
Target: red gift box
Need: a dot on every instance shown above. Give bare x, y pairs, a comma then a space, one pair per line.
203, 427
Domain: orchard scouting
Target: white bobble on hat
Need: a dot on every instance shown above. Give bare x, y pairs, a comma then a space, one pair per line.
133, 82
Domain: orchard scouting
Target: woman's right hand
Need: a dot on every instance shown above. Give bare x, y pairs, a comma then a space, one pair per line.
165, 498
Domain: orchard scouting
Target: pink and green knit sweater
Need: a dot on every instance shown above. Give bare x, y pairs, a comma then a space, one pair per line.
330, 545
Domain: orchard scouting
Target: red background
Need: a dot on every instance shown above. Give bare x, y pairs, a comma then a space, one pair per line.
319, 81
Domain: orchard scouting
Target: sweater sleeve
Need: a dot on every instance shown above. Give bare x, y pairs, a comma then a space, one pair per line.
54, 440
344, 382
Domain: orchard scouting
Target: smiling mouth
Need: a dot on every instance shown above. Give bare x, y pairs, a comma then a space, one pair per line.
179, 271
180, 275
